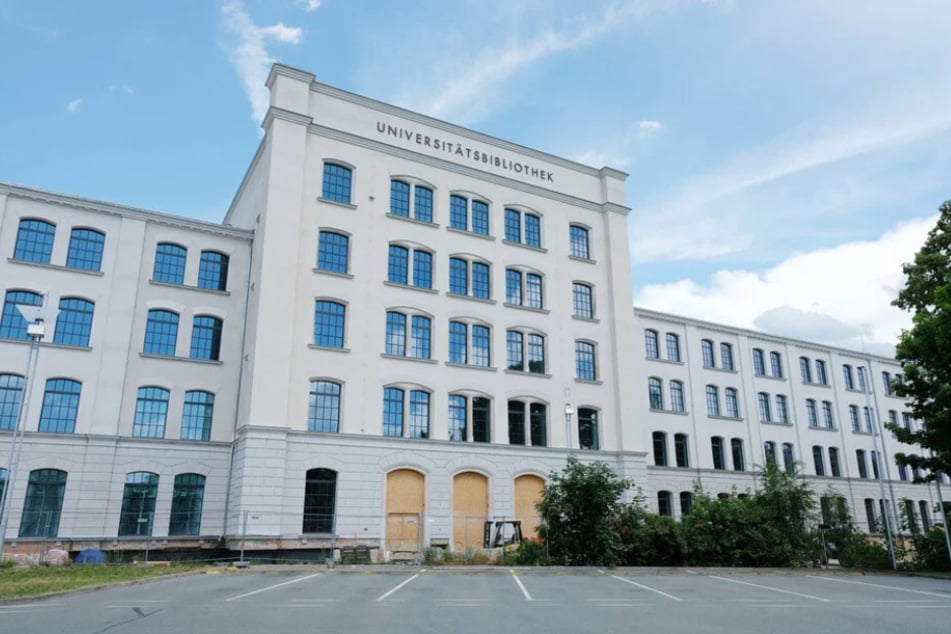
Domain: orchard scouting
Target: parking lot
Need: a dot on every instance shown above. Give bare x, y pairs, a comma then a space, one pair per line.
498, 601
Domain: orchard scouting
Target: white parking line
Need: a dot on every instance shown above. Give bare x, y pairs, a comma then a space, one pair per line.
876, 585
528, 597
277, 585
389, 592
756, 585
642, 586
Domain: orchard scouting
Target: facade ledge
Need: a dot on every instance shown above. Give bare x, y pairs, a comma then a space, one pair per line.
346, 276
314, 346
589, 381
471, 298
814, 384
412, 220
523, 373
776, 423
592, 320
661, 360
163, 357
190, 288
738, 419
585, 260
769, 378
47, 344
471, 233
336, 203
543, 311
716, 369
823, 429
525, 246
55, 267
410, 287
668, 411
406, 358
469, 366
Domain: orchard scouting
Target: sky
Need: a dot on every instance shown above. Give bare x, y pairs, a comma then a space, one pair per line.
785, 156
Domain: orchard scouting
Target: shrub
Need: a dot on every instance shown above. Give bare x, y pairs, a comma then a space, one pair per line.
862, 552
931, 551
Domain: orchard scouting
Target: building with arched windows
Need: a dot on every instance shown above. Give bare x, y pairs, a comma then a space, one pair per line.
400, 329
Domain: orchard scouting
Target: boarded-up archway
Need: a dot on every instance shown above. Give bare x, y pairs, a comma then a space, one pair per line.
528, 491
405, 501
470, 509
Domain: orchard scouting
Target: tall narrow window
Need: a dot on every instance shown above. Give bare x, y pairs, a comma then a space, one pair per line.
151, 411
834, 467
673, 347
686, 502
43, 504
480, 280
861, 462
660, 448
60, 406
847, 376
776, 364
651, 346
716, 445
739, 462
862, 383
709, 360
197, 415
818, 460
538, 424
578, 242
867, 412
169, 263
680, 450
805, 370
925, 517
323, 410
782, 410
585, 366
73, 322
582, 300
11, 393
713, 400
759, 362
854, 418
533, 231
85, 249
874, 458
398, 265
421, 337
320, 496
887, 383
423, 203
418, 414
12, 323
870, 515
732, 402
664, 506
536, 354
514, 350
827, 419
399, 198
513, 287
821, 376
481, 419
655, 393
769, 451
188, 495
333, 252
812, 414
458, 415
534, 297
677, 396
422, 269
513, 225
213, 271
138, 504
765, 414
337, 179
206, 338
480, 217
458, 213
726, 356
516, 423
395, 334
392, 412
458, 343
329, 320
161, 333
34, 241
588, 428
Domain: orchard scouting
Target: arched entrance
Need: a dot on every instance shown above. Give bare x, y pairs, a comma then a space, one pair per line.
528, 491
470, 509
405, 503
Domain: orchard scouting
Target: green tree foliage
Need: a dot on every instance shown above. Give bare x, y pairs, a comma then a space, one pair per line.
579, 510
925, 350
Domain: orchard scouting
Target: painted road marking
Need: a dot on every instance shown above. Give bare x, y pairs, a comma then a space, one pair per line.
528, 597
277, 585
642, 586
875, 585
756, 585
389, 592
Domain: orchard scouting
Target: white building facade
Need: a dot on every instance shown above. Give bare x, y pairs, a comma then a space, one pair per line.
401, 329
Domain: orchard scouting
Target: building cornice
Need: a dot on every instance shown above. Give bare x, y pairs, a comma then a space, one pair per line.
284, 115
288, 71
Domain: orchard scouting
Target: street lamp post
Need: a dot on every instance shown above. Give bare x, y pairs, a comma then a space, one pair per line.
35, 330
877, 459
569, 411
944, 516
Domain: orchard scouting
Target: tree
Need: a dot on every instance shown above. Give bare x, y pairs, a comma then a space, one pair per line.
925, 350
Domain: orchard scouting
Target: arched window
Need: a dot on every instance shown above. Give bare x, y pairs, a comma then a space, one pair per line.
169, 263
660, 448
739, 461
213, 271
651, 345
396, 410
586, 367
138, 503
320, 497
732, 402
522, 346
323, 411
197, 415
60, 406
812, 414
655, 393
681, 450
582, 300
473, 413
43, 504
588, 428
34, 241
11, 393
333, 252
161, 333
12, 323
686, 502
716, 445
726, 356
713, 400
336, 185
673, 347
206, 338
664, 506
536, 415
470, 215
187, 497
818, 460
677, 396
151, 411
709, 360
73, 322
578, 242
329, 323
85, 249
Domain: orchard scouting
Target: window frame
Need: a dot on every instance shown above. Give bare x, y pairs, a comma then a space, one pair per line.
85, 251
34, 240
337, 182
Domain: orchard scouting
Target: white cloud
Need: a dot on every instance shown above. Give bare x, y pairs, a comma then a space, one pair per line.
248, 55
648, 127
839, 296
73, 105
308, 5
126, 90
621, 152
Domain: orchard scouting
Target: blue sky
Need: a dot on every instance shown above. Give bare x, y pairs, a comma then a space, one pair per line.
785, 156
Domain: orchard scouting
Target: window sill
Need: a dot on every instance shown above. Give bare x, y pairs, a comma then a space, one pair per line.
716, 369
189, 288
471, 233
47, 344
347, 276
580, 259
825, 429
412, 220
338, 203
862, 433
471, 298
543, 311
738, 419
469, 366
771, 378
814, 384
523, 373
776, 423
525, 246
668, 411
407, 358
592, 320
589, 381
314, 346
410, 287
662, 360
55, 267
146, 355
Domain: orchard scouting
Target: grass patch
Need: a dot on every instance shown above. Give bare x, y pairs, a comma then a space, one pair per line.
19, 583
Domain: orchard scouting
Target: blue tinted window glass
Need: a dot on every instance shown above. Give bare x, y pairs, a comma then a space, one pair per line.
457, 342
533, 290
187, 496
480, 346
206, 338
399, 198
151, 410
418, 414
458, 213
424, 204
213, 271
513, 225
60, 405
169, 263
12, 323
422, 269
336, 183
579, 242
11, 392
329, 324
584, 360
457, 417
323, 412
34, 241
533, 230
480, 280
513, 287
332, 252
480, 218
395, 333
398, 264
421, 334
161, 333
536, 354
197, 414
85, 249
43, 504
458, 276
392, 412
73, 322
513, 347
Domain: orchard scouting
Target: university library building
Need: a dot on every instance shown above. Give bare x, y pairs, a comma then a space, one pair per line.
400, 330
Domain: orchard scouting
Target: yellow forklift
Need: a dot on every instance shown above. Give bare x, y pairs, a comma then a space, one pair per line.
505, 534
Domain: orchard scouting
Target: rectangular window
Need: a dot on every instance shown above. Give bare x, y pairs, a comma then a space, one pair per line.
660, 448
516, 423
85, 250
399, 198
862, 464
398, 265
582, 300
677, 396
585, 361
736, 445
329, 320
333, 252
213, 271
759, 363
673, 347
732, 403
726, 356
336, 184
34, 241
481, 419
513, 225
423, 203
458, 213
713, 400
392, 412
887, 383
818, 460
680, 450
854, 418
789, 458
578, 242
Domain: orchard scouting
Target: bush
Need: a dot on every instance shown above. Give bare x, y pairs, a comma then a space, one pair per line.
931, 551
646, 539
865, 553
529, 553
